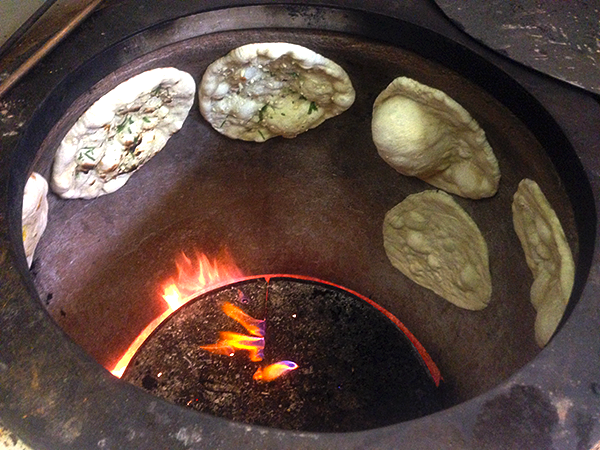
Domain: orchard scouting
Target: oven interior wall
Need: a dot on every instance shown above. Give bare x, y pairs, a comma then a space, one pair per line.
312, 205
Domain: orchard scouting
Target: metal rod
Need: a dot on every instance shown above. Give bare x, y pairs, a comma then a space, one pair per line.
26, 26
46, 48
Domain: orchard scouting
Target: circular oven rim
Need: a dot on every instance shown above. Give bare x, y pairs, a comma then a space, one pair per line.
187, 423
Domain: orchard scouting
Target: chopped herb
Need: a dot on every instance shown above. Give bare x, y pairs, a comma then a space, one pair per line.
87, 154
261, 135
283, 114
295, 75
126, 121
302, 97
145, 119
224, 120
136, 141
263, 110
313, 107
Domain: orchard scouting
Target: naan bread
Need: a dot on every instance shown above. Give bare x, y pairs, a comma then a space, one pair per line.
420, 131
35, 213
548, 256
259, 91
121, 132
434, 242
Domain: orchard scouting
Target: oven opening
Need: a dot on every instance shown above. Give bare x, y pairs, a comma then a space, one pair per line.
302, 322
283, 351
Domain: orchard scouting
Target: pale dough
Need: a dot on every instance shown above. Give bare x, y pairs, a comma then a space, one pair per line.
435, 243
548, 256
35, 213
422, 132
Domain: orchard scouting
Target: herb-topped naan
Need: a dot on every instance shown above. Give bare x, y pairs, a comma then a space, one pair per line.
35, 213
263, 90
422, 132
434, 242
121, 132
548, 256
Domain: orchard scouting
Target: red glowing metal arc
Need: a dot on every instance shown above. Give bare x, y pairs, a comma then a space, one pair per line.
192, 280
431, 366
273, 371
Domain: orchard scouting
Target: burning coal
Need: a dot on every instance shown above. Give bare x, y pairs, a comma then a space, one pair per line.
229, 342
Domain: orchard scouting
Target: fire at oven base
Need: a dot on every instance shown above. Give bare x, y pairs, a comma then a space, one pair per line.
356, 369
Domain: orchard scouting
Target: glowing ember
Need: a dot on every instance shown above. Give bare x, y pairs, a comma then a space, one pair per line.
229, 342
273, 371
192, 280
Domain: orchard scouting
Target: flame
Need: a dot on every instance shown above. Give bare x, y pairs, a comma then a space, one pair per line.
196, 278
229, 342
255, 327
192, 280
273, 371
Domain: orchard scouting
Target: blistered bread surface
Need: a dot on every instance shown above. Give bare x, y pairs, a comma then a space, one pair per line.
259, 91
434, 242
548, 255
122, 131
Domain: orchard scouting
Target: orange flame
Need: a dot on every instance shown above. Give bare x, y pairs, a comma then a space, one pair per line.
196, 278
192, 280
255, 327
273, 371
229, 342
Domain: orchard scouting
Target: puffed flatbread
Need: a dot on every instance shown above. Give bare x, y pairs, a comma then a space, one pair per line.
434, 242
548, 256
263, 90
422, 132
121, 132
35, 213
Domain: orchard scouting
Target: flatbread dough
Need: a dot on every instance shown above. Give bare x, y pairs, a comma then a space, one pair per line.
548, 256
422, 132
434, 242
35, 213
121, 132
263, 90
